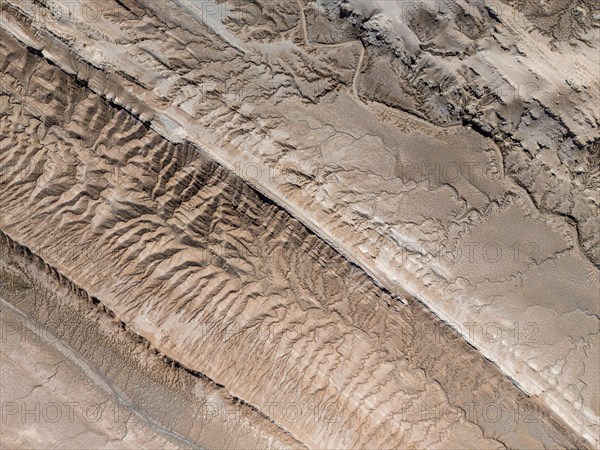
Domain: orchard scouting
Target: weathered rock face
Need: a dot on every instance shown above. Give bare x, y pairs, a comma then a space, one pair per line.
74, 376
468, 63
258, 191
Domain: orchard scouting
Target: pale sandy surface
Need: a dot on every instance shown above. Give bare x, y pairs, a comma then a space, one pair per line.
52, 400
458, 165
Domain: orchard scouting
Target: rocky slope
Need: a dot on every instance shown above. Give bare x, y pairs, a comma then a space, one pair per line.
167, 159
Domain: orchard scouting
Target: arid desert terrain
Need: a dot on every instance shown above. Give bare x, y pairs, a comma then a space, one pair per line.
325, 224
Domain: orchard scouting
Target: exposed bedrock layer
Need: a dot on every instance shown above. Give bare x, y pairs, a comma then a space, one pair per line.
460, 165
531, 86
229, 285
74, 376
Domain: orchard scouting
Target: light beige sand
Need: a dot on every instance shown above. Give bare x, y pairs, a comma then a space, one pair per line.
456, 165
